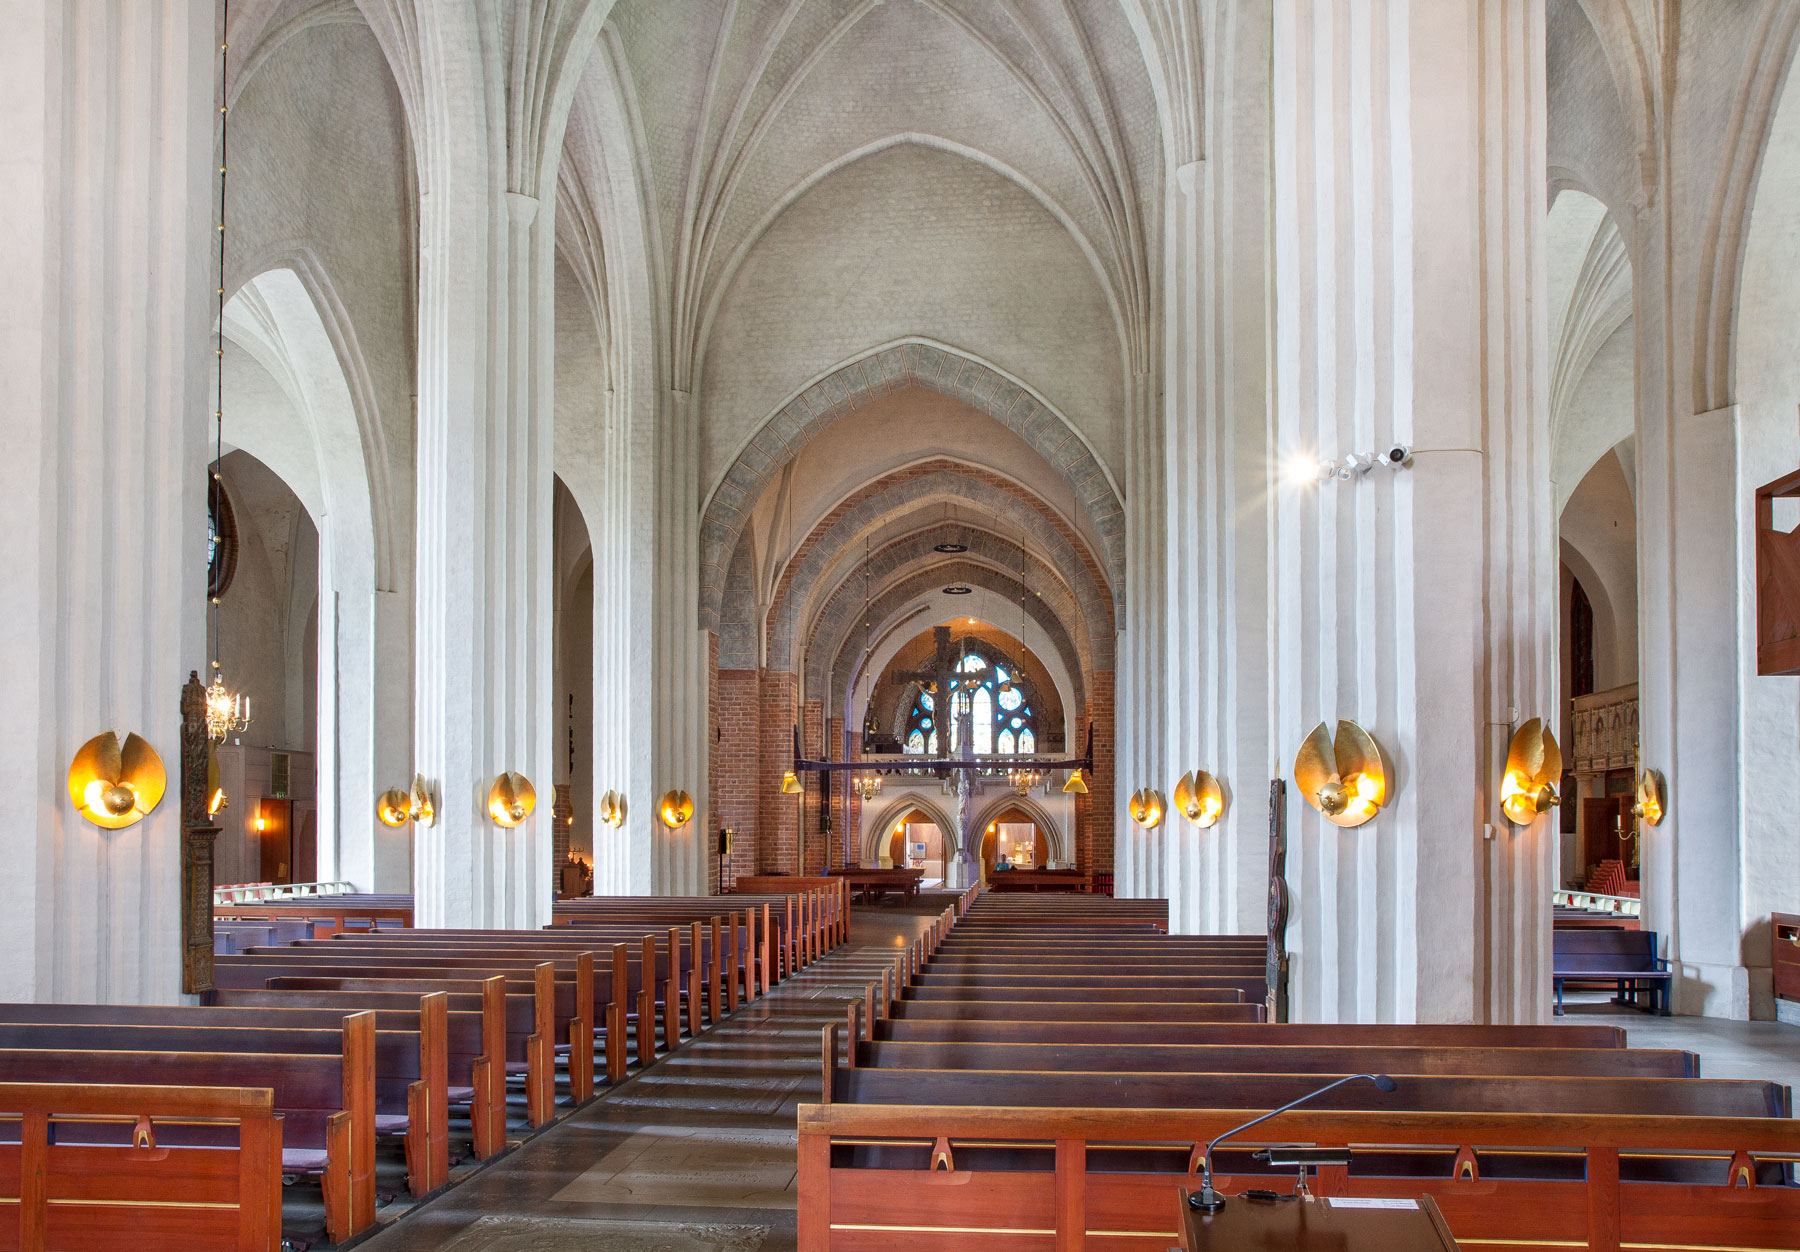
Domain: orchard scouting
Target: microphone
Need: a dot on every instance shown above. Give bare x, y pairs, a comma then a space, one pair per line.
1206, 1200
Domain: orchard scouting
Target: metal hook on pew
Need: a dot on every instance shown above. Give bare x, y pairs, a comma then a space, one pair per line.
1467, 1168
1742, 1171
142, 1134
941, 1157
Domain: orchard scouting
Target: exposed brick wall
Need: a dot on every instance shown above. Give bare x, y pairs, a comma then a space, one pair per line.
735, 754
1094, 811
777, 827
812, 738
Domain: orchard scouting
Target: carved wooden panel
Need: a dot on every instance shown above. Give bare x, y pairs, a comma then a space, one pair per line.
1777, 582
1276, 972
197, 836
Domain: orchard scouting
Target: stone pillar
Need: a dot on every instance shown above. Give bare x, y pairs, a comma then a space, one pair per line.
105, 353
487, 95
1409, 168
1215, 465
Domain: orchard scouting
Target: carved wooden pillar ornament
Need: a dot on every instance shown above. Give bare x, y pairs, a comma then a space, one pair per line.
197, 836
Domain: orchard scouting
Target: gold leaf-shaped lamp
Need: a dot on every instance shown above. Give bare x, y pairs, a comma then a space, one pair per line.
1200, 798
1342, 776
393, 807
1146, 807
423, 808
1534, 762
511, 799
676, 809
1652, 801
1076, 785
113, 784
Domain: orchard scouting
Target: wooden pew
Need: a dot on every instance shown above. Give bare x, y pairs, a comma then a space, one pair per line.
568, 986
411, 1070
481, 1029
1626, 958
1222, 1058
326, 1103
143, 1191
757, 938
551, 1004
1595, 1203
989, 1030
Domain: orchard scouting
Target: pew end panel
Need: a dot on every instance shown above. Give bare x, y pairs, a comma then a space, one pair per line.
941, 1177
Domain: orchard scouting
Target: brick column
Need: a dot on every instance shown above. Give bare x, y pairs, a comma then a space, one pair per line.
777, 826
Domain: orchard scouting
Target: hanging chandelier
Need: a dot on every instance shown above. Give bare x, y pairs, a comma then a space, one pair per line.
227, 712
866, 786
1024, 778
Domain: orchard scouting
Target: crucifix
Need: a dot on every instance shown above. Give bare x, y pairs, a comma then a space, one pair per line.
941, 679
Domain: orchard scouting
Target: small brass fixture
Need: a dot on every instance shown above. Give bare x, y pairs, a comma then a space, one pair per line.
1146, 807
1076, 786
1533, 773
394, 808
790, 784
114, 785
423, 810
1342, 777
511, 799
612, 809
1200, 798
1652, 798
676, 809
215, 786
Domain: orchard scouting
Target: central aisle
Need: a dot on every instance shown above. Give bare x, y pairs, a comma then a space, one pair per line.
697, 1153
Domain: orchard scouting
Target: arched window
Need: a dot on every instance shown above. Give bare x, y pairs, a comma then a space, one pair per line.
996, 703
221, 539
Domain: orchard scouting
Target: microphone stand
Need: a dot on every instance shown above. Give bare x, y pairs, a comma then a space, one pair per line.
1206, 1200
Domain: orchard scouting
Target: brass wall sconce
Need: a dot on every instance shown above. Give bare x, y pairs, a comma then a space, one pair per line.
397, 807
612, 809
1146, 807
1342, 777
1200, 798
393, 808
215, 786
115, 785
1652, 798
1076, 785
511, 799
790, 784
676, 809
1533, 773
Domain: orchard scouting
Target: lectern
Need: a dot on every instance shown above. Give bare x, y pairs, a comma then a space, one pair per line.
1344, 1224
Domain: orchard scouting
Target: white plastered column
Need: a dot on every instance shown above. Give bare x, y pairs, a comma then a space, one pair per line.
1409, 272
107, 154
1216, 467
488, 92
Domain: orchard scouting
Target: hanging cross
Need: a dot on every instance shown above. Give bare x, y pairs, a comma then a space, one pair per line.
941, 679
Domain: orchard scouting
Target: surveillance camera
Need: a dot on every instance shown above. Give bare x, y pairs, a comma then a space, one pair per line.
1397, 455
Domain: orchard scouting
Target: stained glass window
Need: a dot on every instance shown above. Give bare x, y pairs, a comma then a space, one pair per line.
991, 697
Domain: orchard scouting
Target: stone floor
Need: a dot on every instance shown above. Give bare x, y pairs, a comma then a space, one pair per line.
695, 1155
698, 1154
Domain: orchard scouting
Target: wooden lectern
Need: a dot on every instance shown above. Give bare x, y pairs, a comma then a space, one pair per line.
1344, 1224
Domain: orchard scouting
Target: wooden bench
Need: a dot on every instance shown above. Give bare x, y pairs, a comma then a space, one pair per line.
411, 1072
1625, 958
482, 1028
140, 1191
1036, 880
326, 1105
1087, 1181
552, 1005
872, 883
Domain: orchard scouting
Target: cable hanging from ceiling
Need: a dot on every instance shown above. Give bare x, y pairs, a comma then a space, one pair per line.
227, 712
